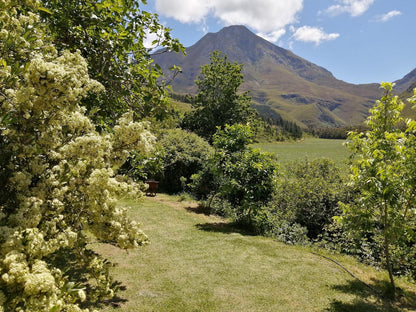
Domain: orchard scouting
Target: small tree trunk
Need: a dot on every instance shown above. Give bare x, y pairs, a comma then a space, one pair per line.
392, 290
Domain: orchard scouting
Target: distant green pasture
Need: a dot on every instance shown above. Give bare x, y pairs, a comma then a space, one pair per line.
310, 148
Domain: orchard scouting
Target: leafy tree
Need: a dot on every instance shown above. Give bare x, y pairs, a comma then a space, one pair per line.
111, 36
58, 175
218, 102
243, 177
384, 177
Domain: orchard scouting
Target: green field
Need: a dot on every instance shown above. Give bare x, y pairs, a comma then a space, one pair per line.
311, 148
197, 262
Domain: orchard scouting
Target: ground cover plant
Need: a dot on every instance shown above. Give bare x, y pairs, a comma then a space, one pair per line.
197, 262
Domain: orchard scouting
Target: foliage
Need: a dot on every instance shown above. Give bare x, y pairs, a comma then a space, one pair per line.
58, 174
177, 156
308, 193
111, 36
336, 133
142, 166
383, 173
237, 174
218, 102
185, 153
271, 224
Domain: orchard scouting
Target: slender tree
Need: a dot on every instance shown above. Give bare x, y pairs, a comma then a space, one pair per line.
384, 207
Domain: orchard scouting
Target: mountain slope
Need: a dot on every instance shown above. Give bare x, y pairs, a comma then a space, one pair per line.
297, 89
406, 82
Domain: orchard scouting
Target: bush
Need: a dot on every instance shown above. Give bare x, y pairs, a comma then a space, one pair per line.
308, 194
242, 176
184, 153
270, 223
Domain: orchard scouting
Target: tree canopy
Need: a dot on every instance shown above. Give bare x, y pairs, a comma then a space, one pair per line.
111, 36
218, 102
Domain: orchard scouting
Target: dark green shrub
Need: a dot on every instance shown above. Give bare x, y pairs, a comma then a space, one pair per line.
308, 194
269, 223
235, 173
184, 155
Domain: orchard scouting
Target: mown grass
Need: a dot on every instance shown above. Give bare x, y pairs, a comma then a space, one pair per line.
310, 148
197, 262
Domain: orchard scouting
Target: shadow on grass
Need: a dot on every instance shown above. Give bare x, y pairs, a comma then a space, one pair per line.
200, 209
225, 228
114, 302
370, 301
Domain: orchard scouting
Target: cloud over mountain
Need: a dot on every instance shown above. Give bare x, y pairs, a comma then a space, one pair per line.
267, 17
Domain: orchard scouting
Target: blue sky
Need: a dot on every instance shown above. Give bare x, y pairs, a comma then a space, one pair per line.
359, 41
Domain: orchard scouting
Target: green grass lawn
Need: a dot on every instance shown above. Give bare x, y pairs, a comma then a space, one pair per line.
311, 148
197, 262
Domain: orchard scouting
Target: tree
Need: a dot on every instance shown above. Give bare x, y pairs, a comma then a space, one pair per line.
111, 36
383, 176
218, 102
58, 175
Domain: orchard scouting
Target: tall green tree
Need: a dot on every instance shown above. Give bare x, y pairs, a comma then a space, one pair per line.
111, 36
383, 176
218, 101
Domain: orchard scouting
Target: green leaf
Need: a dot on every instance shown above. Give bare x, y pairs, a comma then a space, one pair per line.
43, 9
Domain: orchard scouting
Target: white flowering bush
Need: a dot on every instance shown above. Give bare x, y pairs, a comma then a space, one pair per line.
58, 175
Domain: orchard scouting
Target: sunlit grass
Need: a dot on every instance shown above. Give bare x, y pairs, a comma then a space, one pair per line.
197, 262
310, 148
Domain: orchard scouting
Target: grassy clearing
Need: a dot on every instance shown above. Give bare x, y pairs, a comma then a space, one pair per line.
311, 148
197, 262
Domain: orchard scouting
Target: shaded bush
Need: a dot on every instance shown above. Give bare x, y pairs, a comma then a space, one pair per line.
308, 194
184, 153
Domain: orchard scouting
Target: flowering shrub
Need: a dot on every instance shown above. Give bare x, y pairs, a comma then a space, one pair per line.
58, 174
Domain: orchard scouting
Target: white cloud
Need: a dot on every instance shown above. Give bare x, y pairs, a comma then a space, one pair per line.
388, 16
150, 38
184, 11
268, 17
272, 36
313, 34
352, 7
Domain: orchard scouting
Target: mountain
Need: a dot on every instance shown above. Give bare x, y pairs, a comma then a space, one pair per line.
406, 82
278, 79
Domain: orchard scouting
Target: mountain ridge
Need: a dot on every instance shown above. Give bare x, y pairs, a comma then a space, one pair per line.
297, 89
